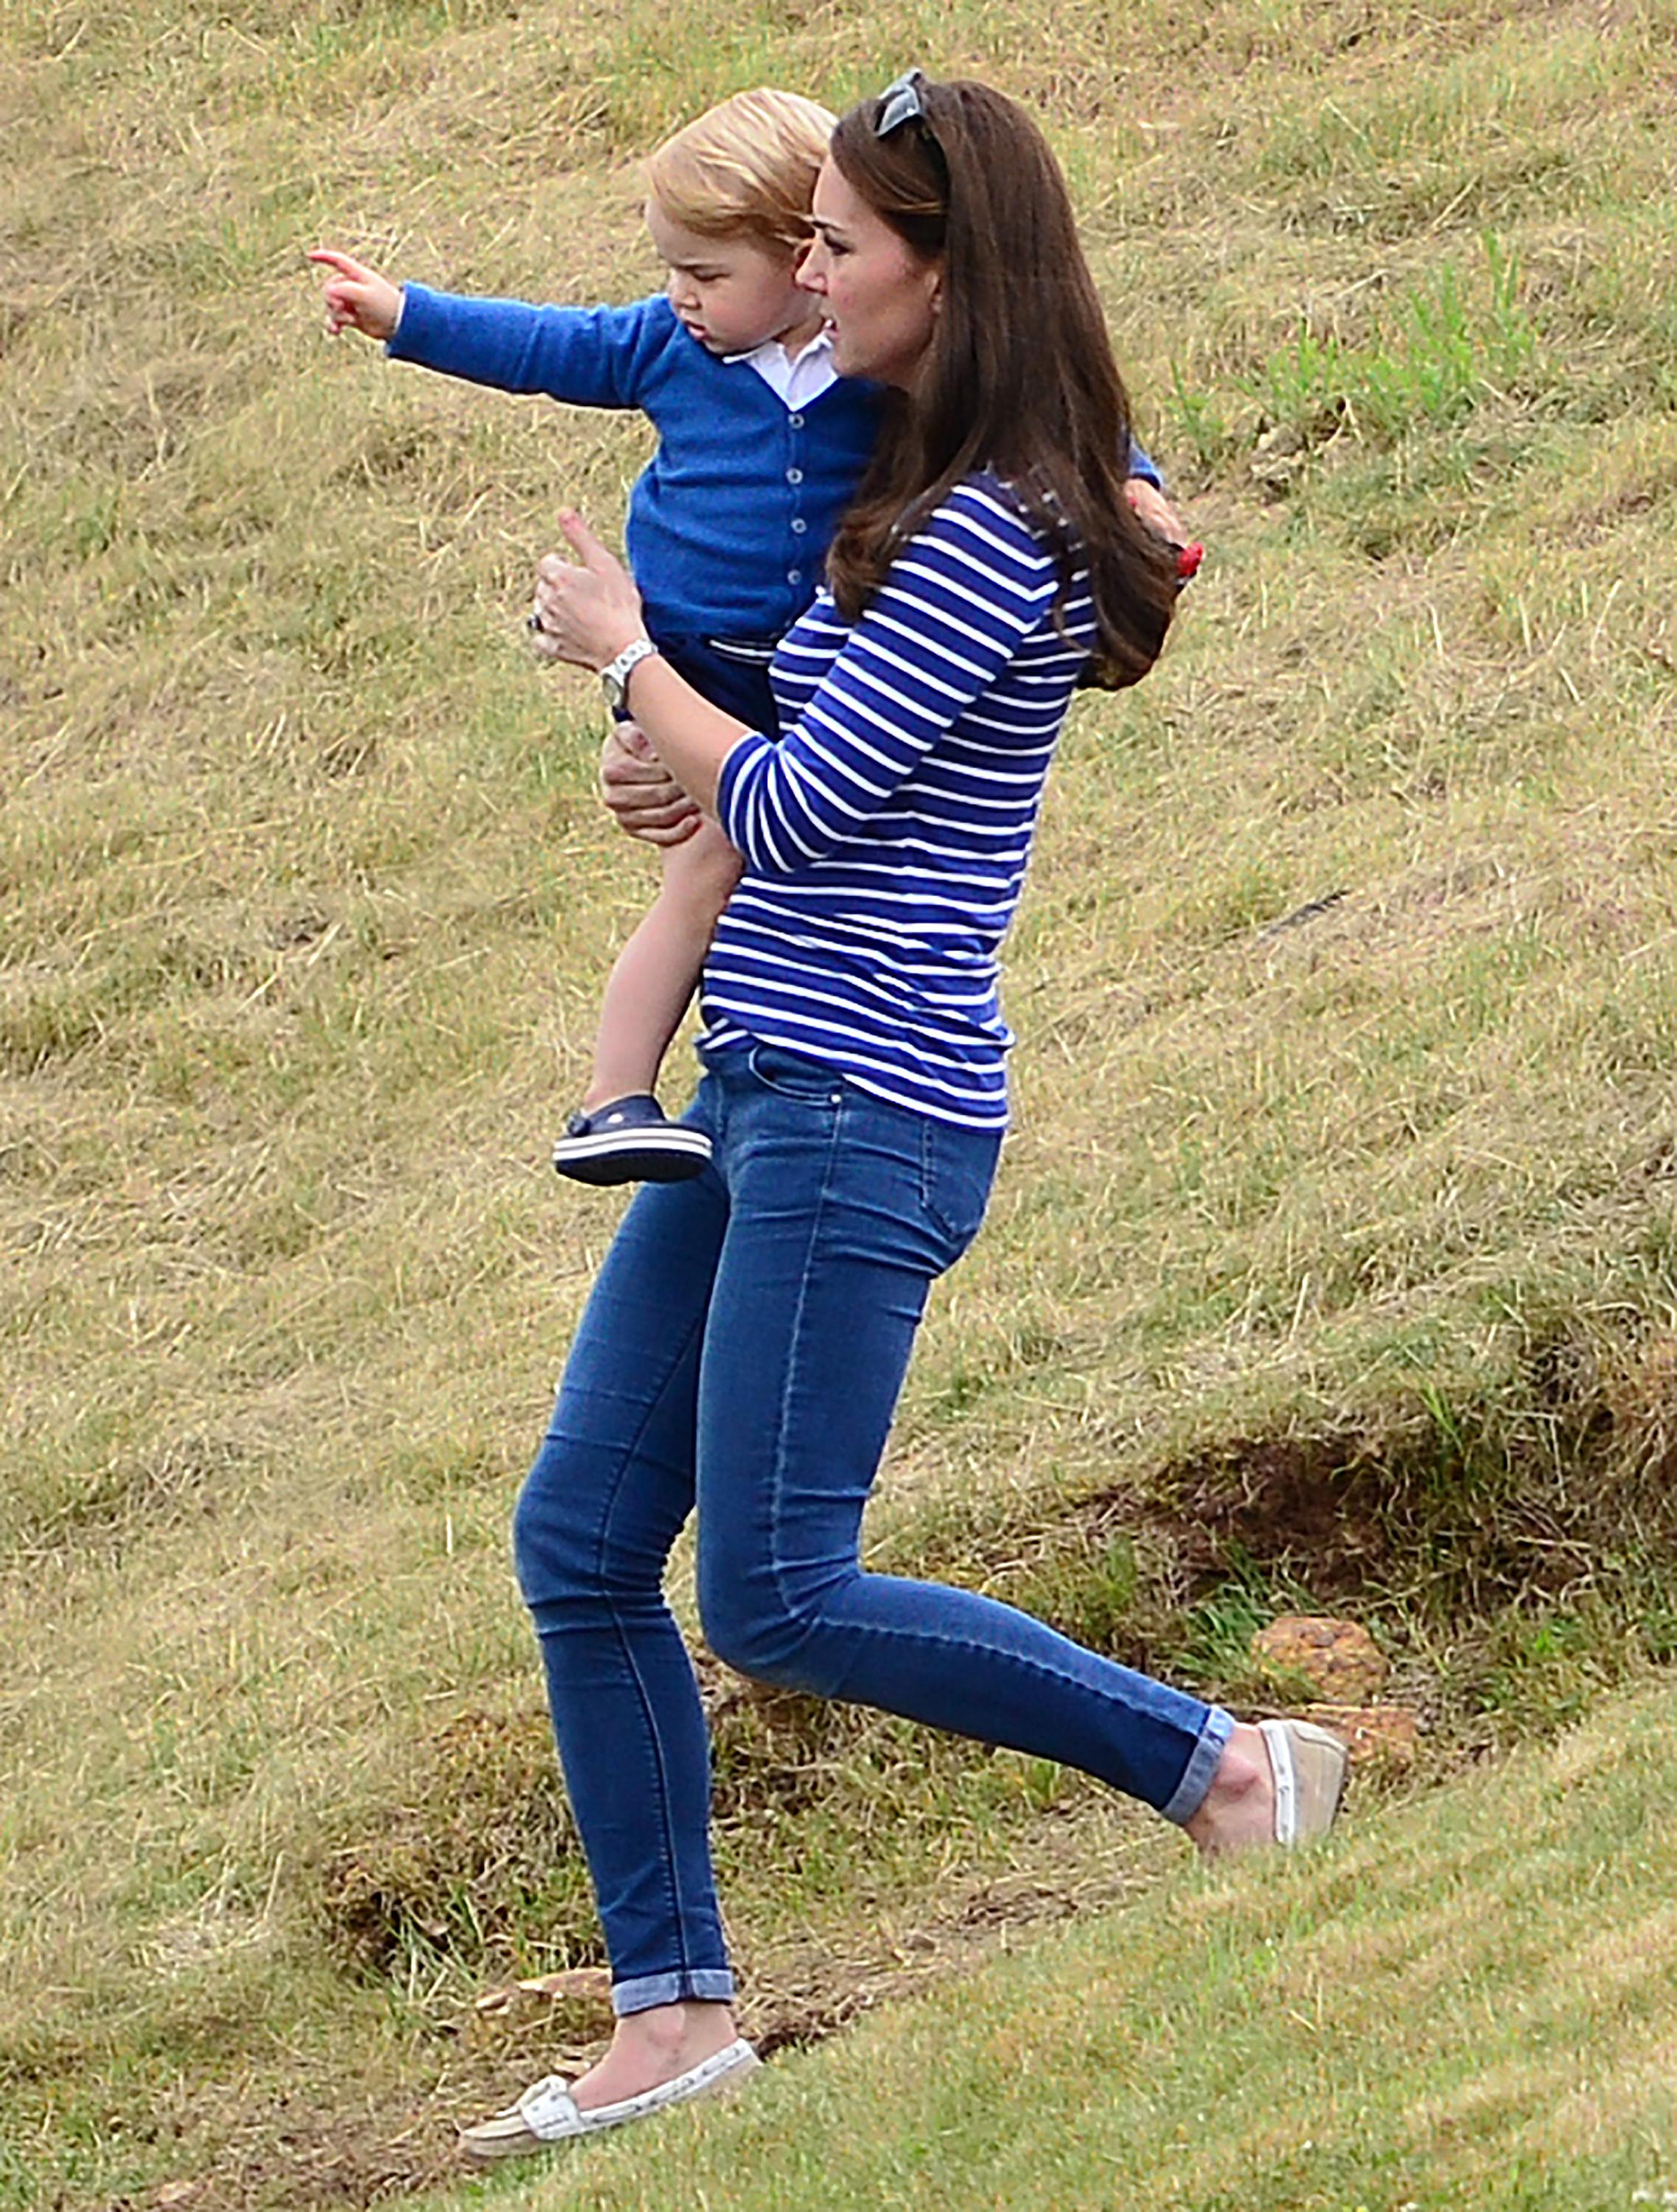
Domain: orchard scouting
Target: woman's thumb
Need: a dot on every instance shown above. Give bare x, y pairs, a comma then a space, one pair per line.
582, 540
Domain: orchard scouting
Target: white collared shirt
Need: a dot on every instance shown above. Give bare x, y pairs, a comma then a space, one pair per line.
798, 382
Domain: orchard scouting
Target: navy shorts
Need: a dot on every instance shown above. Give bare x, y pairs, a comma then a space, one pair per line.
732, 673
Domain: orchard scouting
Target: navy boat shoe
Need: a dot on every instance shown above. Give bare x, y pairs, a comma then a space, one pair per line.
629, 1140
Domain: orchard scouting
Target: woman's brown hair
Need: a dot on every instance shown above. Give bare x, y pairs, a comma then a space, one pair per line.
1019, 375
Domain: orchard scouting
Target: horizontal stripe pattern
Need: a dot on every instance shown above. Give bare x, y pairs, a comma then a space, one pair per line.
885, 835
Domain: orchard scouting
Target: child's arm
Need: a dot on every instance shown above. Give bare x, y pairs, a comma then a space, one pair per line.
591, 356
1142, 467
1155, 510
357, 298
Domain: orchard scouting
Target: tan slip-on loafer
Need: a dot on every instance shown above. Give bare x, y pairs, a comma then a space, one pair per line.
1309, 1767
548, 2113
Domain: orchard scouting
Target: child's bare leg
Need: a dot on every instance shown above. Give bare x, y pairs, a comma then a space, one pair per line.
653, 976
621, 1135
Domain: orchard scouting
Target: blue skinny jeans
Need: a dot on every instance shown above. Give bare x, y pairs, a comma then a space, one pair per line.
742, 1352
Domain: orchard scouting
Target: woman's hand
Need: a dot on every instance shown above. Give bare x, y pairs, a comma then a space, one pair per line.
357, 298
644, 798
588, 609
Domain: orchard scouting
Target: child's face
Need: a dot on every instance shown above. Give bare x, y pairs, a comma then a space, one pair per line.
732, 293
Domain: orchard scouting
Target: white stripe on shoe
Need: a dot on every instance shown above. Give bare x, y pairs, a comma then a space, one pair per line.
601, 1143
1308, 1766
1285, 1824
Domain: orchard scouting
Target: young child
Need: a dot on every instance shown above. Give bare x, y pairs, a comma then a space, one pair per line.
761, 445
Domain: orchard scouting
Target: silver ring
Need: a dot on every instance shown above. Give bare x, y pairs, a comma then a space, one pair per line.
534, 621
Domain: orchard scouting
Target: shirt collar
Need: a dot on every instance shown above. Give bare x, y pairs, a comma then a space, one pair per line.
771, 349
797, 384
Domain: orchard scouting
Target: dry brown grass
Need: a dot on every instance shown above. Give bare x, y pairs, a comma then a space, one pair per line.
1334, 1247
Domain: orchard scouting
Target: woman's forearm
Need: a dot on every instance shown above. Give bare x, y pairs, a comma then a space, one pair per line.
587, 611
689, 736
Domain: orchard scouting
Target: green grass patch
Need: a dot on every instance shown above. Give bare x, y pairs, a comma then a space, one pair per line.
1470, 2001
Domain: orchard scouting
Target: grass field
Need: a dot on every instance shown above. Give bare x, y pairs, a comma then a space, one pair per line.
1334, 1263
1426, 2017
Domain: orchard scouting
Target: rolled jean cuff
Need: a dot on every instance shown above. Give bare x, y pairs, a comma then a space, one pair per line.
704, 1984
1189, 1794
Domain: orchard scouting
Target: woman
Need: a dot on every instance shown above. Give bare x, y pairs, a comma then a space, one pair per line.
745, 1343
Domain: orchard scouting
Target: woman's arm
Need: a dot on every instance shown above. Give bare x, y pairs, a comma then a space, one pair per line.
963, 595
587, 611
959, 602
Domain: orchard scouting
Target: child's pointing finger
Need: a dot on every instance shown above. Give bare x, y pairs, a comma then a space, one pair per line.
343, 263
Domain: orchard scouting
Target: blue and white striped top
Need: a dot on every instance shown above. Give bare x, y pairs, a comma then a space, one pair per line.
885, 835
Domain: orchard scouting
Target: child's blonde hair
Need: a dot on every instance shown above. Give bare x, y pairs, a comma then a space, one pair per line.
748, 164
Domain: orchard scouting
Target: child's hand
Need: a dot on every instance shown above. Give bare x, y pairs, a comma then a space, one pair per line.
1153, 508
357, 298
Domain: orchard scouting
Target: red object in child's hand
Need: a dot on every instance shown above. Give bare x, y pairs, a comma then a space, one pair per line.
1188, 558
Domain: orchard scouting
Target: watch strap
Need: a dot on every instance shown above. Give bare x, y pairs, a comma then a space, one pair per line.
614, 675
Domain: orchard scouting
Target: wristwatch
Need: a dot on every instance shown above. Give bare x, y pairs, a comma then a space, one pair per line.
614, 675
